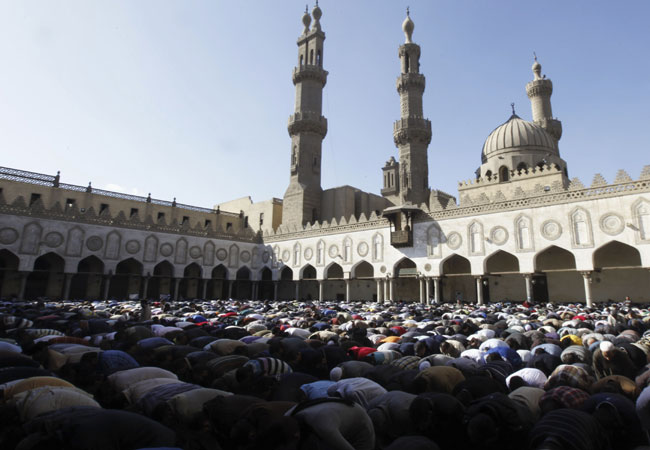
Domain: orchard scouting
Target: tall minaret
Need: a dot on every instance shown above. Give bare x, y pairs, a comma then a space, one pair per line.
307, 127
539, 92
412, 132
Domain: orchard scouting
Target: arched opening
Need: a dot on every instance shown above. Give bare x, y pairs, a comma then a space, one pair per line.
522, 167
334, 272
308, 283
457, 284
311, 57
160, 283
556, 277
488, 175
242, 288
191, 283
619, 273
308, 273
540, 165
335, 284
362, 285
266, 284
9, 275
504, 281
47, 278
286, 286
218, 284
318, 59
126, 280
406, 283
87, 282
504, 174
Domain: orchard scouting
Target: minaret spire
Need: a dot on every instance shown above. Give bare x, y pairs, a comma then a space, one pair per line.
408, 181
307, 127
539, 92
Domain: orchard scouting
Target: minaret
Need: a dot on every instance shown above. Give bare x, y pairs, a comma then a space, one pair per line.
539, 92
307, 127
412, 132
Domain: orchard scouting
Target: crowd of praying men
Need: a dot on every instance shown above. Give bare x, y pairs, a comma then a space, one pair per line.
227, 374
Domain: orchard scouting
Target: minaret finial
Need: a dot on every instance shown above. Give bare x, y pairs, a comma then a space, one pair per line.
537, 68
512, 105
535, 56
408, 12
306, 8
407, 27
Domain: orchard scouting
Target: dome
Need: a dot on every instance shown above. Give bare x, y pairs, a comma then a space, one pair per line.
517, 133
407, 27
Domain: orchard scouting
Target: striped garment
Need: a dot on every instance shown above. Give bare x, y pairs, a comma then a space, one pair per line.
407, 362
271, 367
40, 332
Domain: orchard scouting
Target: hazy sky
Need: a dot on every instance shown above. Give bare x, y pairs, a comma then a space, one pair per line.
190, 98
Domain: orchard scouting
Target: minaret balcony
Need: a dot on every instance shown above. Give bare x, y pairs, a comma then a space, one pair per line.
309, 72
412, 130
411, 82
307, 121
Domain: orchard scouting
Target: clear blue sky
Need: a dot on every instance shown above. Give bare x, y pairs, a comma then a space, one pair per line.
190, 98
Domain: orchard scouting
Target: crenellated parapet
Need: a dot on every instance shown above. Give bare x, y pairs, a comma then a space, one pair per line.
409, 130
307, 121
309, 72
514, 175
411, 82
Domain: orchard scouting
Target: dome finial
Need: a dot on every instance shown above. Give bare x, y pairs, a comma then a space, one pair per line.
408, 26
306, 20
512, 105
316, 13
537, 68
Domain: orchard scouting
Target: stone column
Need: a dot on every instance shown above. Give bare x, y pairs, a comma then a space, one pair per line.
586, 276
275, 290
436, 290
107, 285
321, 289
479, 290
23, 285
391, 284
145, 286
347, 289
427, 285
229, 289
421, 279
386, 290
379, 292
529, 287
297, 282
177, 285
67, 281
204, 291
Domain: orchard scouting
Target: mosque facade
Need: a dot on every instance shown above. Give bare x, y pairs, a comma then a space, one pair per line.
519, 229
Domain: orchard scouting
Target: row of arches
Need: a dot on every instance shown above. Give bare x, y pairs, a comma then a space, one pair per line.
555, 274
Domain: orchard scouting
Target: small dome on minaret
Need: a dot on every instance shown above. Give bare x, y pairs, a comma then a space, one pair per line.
316, 13
306, 20
408, 27
537, 69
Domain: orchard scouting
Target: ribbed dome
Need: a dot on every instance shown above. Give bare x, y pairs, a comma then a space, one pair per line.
518, 133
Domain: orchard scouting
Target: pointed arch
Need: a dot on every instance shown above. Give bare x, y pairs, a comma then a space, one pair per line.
434, 241
276, 256
51, 262
8, 260
90, 264
641, 214
266, 274
244, 273
130, 266
616, 254
9, 282
377, 247
320, 253
286, 274
150, 248
554, 258
220, 272
405, 267
333, 272
501, 262
163, 269
112, 247
456, 265
297, 253
347, 250
46, 279
209, 250
581, 231
524, 233
308, 272
31, 238
180, 257
75, 241
475, 238
233, 256
363, 269
192, 270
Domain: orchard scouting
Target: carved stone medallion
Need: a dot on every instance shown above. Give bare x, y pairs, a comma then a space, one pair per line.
53, 239
499, 235
166, 249
286, 254
362, 249
94, 243
133, 246
309, 253
427, 267
612, 224
265, 257
333, 251
8, 236
551, 229
222, 254
454, 240
245, 256
195, 252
